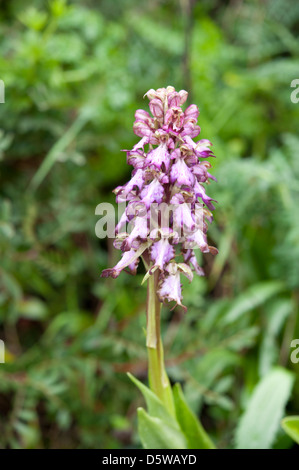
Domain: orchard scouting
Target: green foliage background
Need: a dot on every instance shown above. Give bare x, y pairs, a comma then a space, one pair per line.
74, 74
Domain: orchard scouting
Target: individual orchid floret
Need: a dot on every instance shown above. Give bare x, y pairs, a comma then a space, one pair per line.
181, 174
161, 253
129, 258
170, 171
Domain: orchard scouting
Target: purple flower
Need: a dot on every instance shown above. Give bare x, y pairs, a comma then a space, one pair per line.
156, 107
181, 174
141, 143
151, 193
183, 217
174, 118
136, 158
129, 258
170, 289
159, 156
199, 191
161, 253
191, 114
189, 257
170, 286
136, 181
139, 232
171, 173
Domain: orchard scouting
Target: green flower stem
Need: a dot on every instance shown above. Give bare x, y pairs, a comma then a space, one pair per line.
158, 379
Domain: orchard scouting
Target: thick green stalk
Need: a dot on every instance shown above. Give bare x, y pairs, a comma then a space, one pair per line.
158, 379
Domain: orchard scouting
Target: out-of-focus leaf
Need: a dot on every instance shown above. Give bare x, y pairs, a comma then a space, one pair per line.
254, 296
275, 319
259, 424
204, 373
33, 309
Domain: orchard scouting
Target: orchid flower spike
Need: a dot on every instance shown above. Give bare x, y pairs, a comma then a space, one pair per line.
168, 177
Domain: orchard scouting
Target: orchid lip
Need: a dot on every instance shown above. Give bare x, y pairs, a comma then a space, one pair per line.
172, 171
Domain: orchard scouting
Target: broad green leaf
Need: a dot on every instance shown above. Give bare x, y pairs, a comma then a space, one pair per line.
196, 436
259, 424
154, 405
291, 427
156, 433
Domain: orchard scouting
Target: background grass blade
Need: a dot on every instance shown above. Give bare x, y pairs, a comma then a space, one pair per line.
259, 424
